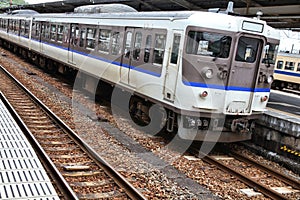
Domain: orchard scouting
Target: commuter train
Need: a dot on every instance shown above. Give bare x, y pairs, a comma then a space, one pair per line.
287, 71
204, 75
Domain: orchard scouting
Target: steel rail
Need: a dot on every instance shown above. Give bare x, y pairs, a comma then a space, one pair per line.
131, 191
56, 176
245, 179
282, 177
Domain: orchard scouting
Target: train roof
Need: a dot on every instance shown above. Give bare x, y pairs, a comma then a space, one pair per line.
207, 19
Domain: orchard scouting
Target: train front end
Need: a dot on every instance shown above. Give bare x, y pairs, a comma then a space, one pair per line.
227, 67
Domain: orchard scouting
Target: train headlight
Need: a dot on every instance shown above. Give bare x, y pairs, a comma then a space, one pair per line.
207, 72
203, 94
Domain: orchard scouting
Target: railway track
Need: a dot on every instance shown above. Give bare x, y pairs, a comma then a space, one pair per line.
89, 176
253, 174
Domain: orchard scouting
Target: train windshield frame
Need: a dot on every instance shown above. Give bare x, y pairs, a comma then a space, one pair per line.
205, 43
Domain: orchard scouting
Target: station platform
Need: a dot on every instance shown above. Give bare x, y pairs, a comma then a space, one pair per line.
22, 175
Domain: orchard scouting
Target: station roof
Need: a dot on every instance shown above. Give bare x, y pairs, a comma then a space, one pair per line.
282, 14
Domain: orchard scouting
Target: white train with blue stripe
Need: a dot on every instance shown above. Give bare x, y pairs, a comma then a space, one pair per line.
287, 71
206, 75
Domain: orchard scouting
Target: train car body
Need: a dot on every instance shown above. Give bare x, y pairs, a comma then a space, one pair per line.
287, 71
210, 71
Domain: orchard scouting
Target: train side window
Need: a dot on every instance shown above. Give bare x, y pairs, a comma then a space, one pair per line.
104, 40
298, 67
279, 64
175, 49
16, 26
137, 46
37, 30
115, 43
159, 48
53, 32
74, 35
148, 48
82, 37
289, 65
60, 33
128, 44
91, 38
23, 30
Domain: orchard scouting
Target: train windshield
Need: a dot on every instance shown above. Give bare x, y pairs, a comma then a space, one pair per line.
269, 54
247, 49
208, 44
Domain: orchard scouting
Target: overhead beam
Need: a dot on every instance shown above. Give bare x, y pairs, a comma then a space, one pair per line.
271, 10
186, 4
152, 7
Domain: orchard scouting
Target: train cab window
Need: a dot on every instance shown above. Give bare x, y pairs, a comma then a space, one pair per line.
148, 48
269, 54
289, 66
159, 48
298, 67
115, 43
208, 44
137, 46
128, 44
104, 40
279, 64
53, 32
247, 49
91, 38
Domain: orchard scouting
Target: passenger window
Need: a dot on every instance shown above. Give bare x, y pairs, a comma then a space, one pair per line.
104, 40
247, 49
159, 48
175, 49
75, 35
60, 33
91, 38
298, 67
53, 32
279, 64
38, 29
82, 37
115, 43
147, 48
137, 46
289, 66
128, 44
23, 30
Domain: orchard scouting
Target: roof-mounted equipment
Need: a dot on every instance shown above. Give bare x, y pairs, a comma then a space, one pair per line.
104, 8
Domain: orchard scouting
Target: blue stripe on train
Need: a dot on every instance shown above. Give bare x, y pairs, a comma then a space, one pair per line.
222, 87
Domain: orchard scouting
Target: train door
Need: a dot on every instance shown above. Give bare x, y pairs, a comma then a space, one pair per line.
131, 54
42, 36
174, 62
245, 66
73, 41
